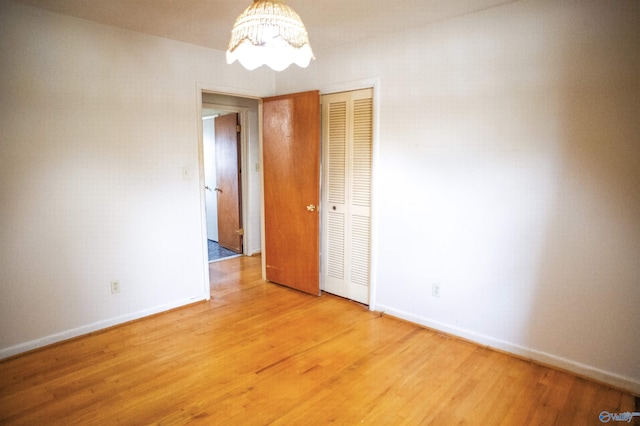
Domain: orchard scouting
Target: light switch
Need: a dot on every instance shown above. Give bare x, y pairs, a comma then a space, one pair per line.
186, 173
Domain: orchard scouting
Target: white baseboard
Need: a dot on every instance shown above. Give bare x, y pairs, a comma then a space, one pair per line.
612, 379
90, 328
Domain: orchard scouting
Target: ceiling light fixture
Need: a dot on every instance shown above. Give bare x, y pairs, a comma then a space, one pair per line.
269, 33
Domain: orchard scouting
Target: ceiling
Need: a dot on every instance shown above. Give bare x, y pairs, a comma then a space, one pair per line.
208, 22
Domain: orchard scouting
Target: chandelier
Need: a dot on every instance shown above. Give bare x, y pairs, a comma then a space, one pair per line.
269, 33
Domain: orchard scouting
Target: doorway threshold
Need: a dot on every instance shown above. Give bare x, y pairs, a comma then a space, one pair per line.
217, 252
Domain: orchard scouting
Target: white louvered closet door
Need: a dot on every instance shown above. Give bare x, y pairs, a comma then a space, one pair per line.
347, 142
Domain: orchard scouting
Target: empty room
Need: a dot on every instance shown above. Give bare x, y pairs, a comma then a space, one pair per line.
435, 215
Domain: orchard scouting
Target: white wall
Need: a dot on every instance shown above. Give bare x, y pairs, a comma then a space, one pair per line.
209, 162
508, 171
96, 125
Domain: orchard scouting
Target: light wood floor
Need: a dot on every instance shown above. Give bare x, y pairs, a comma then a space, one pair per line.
258, 353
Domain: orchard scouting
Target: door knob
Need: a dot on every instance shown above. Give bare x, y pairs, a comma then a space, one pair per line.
217, 189
207, 188
311, 208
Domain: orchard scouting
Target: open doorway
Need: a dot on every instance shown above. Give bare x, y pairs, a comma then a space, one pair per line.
247, 229
223, 182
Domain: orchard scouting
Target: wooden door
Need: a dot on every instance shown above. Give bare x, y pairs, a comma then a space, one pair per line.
291, 170
228, 181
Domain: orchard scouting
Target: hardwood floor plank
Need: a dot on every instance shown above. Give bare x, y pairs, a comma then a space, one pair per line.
258, 353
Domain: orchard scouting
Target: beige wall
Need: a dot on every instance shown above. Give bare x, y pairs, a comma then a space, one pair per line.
508, 171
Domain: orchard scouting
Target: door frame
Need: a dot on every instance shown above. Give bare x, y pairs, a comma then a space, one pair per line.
324, 89
244, 161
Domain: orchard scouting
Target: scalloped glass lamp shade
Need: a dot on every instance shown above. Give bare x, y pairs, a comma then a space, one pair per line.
269, 33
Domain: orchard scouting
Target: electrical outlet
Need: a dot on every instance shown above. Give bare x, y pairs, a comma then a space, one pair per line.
115, 287
435, 290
